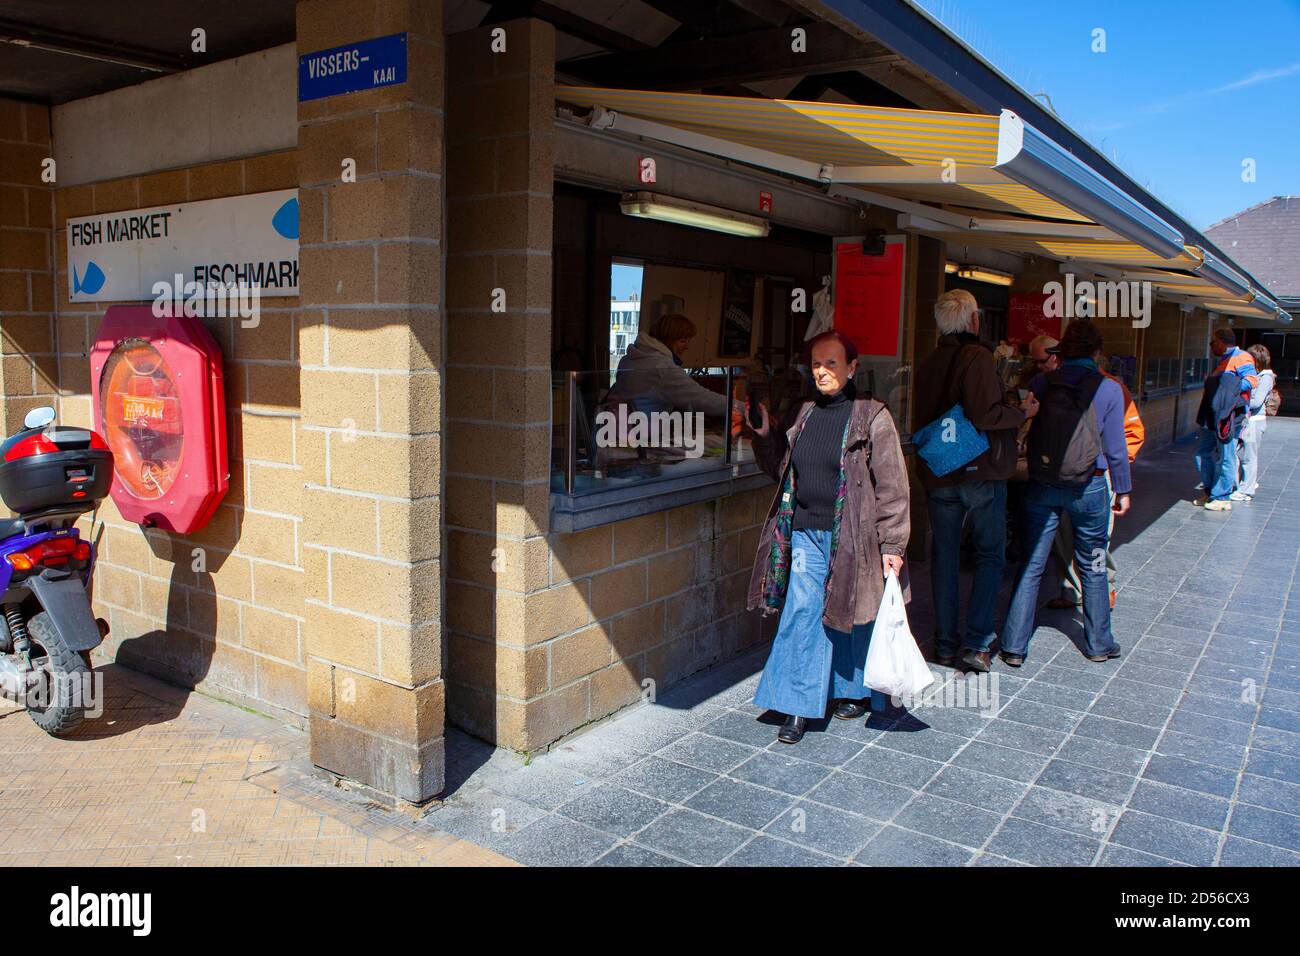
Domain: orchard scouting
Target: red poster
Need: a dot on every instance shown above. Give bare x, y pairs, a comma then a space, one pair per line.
869, 298
1025, 318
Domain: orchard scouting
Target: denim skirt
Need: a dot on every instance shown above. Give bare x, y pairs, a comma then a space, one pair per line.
811, 664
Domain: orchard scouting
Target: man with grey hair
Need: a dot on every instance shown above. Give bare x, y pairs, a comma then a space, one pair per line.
961, 370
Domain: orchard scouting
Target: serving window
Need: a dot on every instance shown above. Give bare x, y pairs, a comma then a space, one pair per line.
641, 424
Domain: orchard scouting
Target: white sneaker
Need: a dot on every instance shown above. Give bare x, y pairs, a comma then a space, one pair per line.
1241, 496
1218, 506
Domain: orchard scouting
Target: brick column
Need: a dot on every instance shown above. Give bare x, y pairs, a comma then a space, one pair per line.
28, 364
500, 605
371, 347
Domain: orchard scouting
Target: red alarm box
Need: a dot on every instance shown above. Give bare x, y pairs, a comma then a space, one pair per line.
160, 404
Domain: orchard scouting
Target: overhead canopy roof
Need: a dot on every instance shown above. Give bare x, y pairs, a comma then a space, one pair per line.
999, 182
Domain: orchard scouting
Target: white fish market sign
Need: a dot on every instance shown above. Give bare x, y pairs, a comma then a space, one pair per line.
250, 240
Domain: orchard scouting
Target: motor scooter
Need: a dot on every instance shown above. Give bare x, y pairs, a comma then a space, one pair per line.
50, 476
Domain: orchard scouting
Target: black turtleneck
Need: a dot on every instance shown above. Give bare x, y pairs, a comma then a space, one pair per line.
816, 460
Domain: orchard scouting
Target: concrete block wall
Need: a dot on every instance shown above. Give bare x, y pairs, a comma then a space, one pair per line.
233, 628
28, 372
371, 341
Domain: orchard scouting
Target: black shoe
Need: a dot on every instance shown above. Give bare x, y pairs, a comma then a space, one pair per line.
850, 709
1011, 660
791, 731
978, 661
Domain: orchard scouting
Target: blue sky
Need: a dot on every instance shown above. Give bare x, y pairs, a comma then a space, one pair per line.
1184, 92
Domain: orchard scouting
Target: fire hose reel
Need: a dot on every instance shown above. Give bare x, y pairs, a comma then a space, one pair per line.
159, 401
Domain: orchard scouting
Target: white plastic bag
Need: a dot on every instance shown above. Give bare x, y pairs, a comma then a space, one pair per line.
894, 662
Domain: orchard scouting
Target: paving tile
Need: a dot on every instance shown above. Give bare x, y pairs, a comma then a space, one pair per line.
862, 795
693, 837
1000, 761
1118, 731
613, 809
740, 803
1124, 856
1068, 698
629, 854
779, 772
1270, 793
1042, 845
824, 829
1268, 764
1040, 715
1177, 803
930, 744
948, 820
1210, 726
664, 779
742, 729
707, 752
1104, 754
1084, 781
1216, 753
556, 841
1168, 838
827, 749
981, 790
1179, 772
1017, 736
1239, 852
1067, 811
766, 851
893, 766
895, 847
1133, 711
1265, 826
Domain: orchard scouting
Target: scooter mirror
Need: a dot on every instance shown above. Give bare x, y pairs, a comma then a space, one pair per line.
39, 417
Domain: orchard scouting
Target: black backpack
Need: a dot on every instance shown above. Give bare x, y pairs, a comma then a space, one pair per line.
1064, 442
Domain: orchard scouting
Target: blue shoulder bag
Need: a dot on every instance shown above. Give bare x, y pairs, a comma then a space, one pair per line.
950, 441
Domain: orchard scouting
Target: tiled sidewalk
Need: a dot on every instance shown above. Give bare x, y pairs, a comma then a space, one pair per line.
1184, 751
169, 778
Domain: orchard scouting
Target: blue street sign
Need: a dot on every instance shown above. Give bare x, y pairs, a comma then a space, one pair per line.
348, 69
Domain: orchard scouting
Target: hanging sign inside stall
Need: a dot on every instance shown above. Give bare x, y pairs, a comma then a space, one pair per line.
120, 256
364, 65
1026, 319
869, 296
764, 201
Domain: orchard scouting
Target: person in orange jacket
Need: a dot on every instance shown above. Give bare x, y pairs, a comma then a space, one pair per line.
1071, 595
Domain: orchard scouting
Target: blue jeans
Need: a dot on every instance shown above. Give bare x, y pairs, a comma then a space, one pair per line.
1217, 463
1089, 509
984, 504
811, 664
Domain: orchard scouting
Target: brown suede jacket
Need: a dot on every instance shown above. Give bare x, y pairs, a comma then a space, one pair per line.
876, 518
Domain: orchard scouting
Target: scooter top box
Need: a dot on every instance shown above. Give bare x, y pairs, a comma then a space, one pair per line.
43, 470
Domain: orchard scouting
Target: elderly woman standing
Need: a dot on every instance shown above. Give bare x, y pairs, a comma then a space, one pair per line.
838, 525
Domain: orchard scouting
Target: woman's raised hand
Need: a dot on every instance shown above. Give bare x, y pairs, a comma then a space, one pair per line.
766, 426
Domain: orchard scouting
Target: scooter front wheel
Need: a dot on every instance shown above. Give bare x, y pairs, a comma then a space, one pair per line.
57, 702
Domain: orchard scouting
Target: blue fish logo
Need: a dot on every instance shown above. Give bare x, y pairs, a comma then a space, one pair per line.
285, 219
91, 281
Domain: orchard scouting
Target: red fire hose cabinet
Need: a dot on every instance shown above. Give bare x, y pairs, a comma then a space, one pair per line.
160, 404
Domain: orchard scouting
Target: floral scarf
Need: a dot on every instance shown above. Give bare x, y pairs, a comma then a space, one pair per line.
779, 557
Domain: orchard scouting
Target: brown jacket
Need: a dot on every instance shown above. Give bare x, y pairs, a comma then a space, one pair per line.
962, 370
876, 519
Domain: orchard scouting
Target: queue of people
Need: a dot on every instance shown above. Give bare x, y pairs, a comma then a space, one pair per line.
839, 522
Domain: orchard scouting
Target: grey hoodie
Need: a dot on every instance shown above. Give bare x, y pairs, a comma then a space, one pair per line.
650, 381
